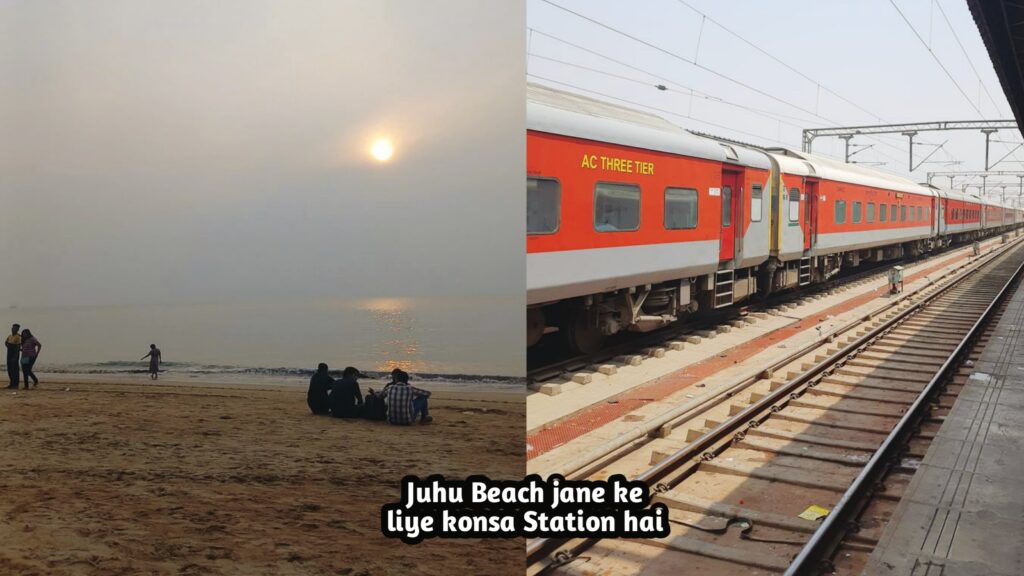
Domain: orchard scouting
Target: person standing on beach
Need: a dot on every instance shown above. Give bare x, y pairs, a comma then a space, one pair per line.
346, 398
13, 344
154, 361
406, 402
30, 349
318, 396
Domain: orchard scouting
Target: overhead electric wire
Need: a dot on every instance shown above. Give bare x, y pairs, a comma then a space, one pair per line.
698, 65
787, 66
798, 72
686, 90
654, 108
968, 57
741, 38
685, 59
939, 60
936, 58
644, 71
945, 17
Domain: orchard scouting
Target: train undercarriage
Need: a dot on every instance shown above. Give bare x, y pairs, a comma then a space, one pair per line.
584, 323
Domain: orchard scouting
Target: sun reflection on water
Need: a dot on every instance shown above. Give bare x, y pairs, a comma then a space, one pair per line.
401, 347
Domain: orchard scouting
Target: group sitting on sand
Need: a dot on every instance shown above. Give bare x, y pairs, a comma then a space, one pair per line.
398, 402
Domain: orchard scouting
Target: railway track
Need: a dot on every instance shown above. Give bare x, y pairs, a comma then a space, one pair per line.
552, 361
841, 437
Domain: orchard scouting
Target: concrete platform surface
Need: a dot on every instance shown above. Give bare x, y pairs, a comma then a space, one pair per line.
963, 513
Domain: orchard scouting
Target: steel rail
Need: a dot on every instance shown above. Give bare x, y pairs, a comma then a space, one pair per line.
826, 538
588, 462
762, 408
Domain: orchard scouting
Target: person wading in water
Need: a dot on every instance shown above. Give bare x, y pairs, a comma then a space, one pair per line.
154, 361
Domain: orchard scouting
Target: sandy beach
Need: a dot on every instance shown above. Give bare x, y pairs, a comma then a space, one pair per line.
138, 478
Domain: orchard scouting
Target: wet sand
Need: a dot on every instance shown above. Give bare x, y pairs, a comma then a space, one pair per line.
135, 478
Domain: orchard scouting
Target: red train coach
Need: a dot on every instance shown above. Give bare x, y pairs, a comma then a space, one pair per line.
627, 213
633, 222
851, 214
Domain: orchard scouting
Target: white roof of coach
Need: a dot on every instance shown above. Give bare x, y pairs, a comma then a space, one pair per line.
559, 112
802, 163
957, 195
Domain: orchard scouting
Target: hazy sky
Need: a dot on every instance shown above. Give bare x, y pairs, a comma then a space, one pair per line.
862, 50
196, 151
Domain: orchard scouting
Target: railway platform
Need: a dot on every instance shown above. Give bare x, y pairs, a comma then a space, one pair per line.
963, 512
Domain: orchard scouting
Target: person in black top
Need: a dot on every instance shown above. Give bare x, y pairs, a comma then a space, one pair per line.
346, 398
374, 406
13, 344
320, 385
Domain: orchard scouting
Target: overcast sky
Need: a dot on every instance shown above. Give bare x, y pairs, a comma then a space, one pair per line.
195, 151
862, 50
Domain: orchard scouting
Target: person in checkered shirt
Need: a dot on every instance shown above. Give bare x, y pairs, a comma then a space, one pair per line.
405, 402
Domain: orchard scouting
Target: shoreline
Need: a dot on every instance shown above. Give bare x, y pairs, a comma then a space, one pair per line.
503, 392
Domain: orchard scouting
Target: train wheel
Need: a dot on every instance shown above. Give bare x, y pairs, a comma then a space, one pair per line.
581, 333
534, 326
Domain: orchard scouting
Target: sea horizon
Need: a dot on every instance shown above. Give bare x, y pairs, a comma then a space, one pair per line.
440, 337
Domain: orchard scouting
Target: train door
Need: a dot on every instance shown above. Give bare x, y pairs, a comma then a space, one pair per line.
731, 192
810, 213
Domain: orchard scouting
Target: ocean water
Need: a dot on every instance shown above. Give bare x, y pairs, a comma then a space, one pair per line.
447, 338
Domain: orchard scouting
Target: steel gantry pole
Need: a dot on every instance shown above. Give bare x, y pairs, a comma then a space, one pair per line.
988, 138
910, 134
847, 138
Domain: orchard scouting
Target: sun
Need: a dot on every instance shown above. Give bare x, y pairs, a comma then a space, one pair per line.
382, 149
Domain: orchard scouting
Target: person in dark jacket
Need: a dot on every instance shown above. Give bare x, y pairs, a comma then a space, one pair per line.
13, 344
318, 396
346, 398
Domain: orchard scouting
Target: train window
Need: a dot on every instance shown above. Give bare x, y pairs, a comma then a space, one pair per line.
871, 212
756, 206
794, 204
840, 211
903, 213
542, 200
616, 207
882, 212
920, 218
856, 212
726, 206
892, 212
680, 208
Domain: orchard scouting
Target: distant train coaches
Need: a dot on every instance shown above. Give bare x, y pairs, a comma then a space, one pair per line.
633, 222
